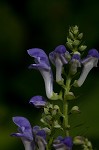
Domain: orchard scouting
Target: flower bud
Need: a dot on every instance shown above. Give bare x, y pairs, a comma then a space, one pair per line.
56, 107
75, 30
78, 140
75, 109
80, 36
46, 111
56, 124
75, 63
69, 45
70, 96
89, 144
76, 42
71, 35
82, 47
47, 130
67, 56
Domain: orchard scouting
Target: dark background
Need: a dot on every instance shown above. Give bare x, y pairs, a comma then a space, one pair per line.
43, 24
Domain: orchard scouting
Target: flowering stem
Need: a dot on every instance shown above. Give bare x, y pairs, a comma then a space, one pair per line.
50, 143
65, 111
65, 106
46, 147
50, 139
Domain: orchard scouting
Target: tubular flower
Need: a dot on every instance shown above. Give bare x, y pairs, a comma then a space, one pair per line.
25, 132
63, 143
40, 137
38, 101
30, 137
89, 62
58, 58
75, 63
42, 64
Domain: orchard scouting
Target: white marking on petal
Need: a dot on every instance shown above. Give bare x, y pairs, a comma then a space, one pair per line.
48, 82
87, 67
59, 65
74, 65
27, 144
41, 143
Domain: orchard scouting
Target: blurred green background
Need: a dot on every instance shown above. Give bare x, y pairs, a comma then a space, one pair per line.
44, 24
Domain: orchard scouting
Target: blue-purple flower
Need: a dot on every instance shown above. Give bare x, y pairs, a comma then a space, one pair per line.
24, 132
75, 63
42, 64
89, 62
58, 58
38, 101
63, 143
30, 137
40, 137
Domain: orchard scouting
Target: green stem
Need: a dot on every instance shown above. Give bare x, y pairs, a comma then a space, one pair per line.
68, 81
65, 106
46, 147
65, 113
50, 139
50, 143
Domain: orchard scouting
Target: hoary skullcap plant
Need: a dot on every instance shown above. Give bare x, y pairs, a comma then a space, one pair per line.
67, 60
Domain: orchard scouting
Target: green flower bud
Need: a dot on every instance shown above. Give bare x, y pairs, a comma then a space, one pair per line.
46, 111
82, 47
50, 106
85, 148
55, 96
56, 107
78, 140
89, 144
43, 121
69, 40
75, 30
70, 96
67, 56
75, 109
69, 45
75, 84
80, 36
54, 112
76, 42
48, 118
71, 35
47, 130
56, 124
75, 27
